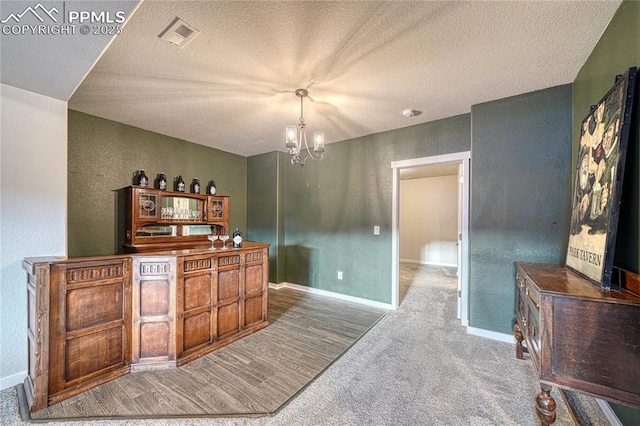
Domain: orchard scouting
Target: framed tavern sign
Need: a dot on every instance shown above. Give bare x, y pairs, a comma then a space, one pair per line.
598, 182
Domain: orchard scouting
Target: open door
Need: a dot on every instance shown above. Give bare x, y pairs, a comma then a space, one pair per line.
459, 242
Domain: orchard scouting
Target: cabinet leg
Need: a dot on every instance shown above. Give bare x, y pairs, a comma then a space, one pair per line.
545, 406
517, 334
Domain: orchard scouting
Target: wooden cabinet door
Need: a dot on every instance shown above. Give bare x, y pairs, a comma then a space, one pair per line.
218, 208
255, 287
93, 339
153, 312
229, 309
195, 297
146, 205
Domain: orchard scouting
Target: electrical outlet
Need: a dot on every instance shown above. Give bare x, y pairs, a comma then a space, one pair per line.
376, 230
339, 275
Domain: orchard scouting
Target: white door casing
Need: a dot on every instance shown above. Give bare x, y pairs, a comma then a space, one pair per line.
463, 159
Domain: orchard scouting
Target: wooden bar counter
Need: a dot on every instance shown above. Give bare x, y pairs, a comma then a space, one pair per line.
93, 319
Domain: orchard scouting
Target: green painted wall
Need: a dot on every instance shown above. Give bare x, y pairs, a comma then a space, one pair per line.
617, 50
331, 207
265, 207
103, 156
520, 194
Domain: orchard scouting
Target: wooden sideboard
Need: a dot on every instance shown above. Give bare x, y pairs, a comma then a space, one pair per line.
578, 336
91, 320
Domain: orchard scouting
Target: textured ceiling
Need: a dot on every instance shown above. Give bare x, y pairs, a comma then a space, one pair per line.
51, 64
363, 62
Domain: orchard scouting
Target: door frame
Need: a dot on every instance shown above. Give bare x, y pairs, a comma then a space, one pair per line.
463, 158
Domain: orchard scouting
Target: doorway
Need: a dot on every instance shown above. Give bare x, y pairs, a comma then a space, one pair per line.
461, 161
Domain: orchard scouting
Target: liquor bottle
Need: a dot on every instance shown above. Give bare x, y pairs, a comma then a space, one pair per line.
195, 186
161, 182
142, 180
237, 238
211, 188
179, 184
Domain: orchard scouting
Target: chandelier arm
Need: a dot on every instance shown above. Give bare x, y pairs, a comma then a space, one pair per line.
303, 136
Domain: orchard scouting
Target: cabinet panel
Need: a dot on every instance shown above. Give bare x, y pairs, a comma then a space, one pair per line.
228, 319
228, 284
93, 353
156, 297
154, 339
197, 291
253, 312
31, 358
31, 310
197, 330
598, 362
90, 306
254, 280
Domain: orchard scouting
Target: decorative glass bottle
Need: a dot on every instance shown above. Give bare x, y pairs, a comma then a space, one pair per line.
161, 182
211, 188
142, 179
195, 186
237, 238
178, 184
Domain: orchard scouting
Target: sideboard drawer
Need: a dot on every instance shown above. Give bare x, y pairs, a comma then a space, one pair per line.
528, 316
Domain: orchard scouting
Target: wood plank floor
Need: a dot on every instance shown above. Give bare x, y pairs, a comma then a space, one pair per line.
254, 376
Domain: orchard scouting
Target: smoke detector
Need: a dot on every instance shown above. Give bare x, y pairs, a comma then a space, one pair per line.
179, 33
409, 113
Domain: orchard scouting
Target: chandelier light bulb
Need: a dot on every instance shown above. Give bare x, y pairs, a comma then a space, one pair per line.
291, 136
318, 142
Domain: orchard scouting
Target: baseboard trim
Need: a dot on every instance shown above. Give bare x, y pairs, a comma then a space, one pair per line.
493, 335
419, 262
12, 380
277, 286
331, 294
609, 413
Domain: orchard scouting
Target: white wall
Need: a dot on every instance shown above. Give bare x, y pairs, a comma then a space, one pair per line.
429, 220
33, 204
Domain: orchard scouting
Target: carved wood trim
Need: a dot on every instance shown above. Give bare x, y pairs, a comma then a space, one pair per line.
94, 273
254, 256
197, 264
228, 260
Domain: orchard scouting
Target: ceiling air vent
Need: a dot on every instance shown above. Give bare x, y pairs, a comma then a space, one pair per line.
179, 33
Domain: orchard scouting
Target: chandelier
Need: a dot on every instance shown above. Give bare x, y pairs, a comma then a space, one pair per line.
296, 136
